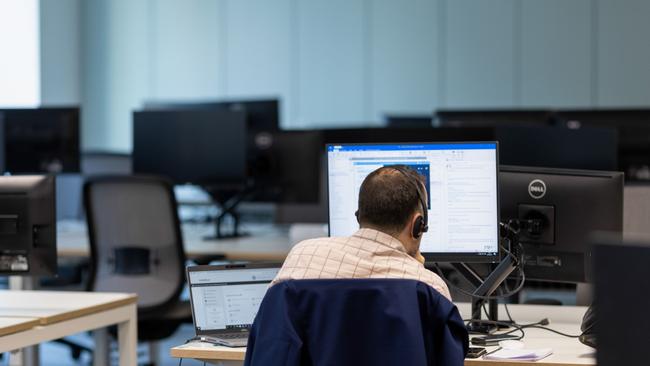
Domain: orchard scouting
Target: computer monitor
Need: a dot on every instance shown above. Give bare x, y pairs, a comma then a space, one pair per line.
39, 140
203, 147
409, 120
261, 114
461, 183
288, 169
27, 226
633, 126
621, 299
560, 209
591, 148
491, 117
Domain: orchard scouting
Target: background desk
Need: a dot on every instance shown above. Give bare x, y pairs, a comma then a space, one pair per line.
566, 351
267, 242
30, 317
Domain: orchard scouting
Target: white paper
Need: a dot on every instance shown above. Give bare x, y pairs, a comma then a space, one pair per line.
519, 354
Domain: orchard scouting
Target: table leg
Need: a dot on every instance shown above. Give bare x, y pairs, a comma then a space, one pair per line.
28, 356
127, 337
101, 354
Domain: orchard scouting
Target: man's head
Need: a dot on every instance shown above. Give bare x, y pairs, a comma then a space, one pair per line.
392, 199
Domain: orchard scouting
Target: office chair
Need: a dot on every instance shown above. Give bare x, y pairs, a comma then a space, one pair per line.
136, 246
356, 322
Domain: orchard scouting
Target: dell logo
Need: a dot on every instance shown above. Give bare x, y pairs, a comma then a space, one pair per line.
537, 189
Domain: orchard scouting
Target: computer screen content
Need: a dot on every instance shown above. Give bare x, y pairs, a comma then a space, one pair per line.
461, 185
228, 299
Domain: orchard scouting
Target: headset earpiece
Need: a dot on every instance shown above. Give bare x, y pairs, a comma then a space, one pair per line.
356, 213
418, 226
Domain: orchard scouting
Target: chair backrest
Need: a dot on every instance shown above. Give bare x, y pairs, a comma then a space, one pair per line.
636, 209
356, 322
135, 239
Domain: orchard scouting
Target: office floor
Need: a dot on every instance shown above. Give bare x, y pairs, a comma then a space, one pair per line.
54, 354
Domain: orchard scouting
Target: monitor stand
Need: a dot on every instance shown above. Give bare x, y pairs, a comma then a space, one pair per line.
485, 287
227, 198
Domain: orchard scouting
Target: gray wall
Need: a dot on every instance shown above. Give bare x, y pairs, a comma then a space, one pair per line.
339, 62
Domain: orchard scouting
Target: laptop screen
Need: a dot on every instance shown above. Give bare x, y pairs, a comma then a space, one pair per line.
224, 298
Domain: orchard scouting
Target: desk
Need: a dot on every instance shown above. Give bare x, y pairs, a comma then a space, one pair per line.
28, 318
266, 243
566, 351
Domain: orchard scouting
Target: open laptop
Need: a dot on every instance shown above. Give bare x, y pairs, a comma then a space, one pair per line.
225, 300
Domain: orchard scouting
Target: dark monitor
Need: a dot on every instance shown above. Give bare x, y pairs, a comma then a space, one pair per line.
387, 135
633, 126
461, 184
621, 300
40, 140
409, 121
590, 148
491, 117
203, 147
287, 169
28, 226
560, 209
261, 114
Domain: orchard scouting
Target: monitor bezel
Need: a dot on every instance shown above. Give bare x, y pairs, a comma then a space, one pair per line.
432, 257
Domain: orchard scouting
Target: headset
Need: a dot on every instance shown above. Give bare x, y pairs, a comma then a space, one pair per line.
421, 225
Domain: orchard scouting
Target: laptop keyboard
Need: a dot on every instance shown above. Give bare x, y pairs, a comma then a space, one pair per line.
234, 336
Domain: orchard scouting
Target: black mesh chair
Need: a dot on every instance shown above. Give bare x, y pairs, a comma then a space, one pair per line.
136, 246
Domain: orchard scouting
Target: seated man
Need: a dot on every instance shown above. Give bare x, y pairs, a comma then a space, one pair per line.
387, 245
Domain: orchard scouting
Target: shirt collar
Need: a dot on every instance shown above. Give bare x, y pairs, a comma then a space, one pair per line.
381, 238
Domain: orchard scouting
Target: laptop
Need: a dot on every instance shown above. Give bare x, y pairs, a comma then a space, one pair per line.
225, 300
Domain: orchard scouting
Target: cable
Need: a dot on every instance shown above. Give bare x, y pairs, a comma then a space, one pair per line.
540, 325
555, 331
497, 323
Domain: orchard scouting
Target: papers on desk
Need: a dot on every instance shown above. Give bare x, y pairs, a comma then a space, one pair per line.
519, 354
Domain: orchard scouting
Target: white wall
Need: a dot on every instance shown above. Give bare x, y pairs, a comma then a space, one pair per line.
19, 53
342, 62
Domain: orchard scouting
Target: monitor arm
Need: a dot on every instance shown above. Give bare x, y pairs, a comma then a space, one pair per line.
485, 287
228, 200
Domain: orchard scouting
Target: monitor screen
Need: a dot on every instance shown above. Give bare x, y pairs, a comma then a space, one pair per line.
228, 298
40, 140
461, 184
202, 147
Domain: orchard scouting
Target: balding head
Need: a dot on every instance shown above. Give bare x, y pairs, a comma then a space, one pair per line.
388, 198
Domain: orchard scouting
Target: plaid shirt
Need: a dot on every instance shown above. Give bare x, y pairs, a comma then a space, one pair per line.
367, 253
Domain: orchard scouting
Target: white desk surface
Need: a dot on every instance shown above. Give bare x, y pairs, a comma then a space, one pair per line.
266, 242
41, 316
55, 306
566, 351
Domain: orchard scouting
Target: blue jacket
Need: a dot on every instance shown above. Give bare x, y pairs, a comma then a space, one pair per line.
356, 322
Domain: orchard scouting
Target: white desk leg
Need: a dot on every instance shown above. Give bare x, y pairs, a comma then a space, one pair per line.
127, 337
28, 356
101, 353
